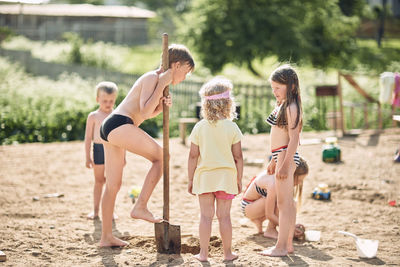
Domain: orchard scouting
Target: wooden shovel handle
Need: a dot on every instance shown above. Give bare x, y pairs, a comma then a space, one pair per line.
165, 63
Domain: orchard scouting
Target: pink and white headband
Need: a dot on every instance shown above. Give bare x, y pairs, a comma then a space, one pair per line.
225, 94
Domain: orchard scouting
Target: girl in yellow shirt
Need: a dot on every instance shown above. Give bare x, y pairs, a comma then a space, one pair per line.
215, 164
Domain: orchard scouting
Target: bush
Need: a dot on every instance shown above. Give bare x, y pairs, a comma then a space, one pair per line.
5, 33
74, 56
79, 54
36, 109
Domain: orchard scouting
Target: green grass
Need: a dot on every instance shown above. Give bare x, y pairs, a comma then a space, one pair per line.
386, 43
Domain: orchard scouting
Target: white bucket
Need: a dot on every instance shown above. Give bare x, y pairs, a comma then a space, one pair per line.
366, 248
312, 235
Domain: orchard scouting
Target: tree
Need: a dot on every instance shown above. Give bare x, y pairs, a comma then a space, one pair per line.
381, 29
352, 7
234, 31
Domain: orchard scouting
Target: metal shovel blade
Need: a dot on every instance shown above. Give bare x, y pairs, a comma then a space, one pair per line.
168, 238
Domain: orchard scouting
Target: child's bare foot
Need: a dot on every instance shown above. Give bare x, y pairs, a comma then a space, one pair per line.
258, 224
230, 257
144, 214
274, 252
290, 249
271, 233
92, 216
112, 242
200, 258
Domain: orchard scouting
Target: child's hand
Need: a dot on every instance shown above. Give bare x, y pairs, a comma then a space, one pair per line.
239, 185
159, 70
282, 173
89, 163
190, 187
271, 167
167, 100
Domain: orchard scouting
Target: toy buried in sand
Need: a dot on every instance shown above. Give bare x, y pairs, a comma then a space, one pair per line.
134, 192
321, 192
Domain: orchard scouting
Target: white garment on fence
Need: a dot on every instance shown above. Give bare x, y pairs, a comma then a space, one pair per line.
386, 84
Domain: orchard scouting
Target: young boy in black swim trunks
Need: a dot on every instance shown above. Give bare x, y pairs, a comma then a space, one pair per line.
106, 96
120, 132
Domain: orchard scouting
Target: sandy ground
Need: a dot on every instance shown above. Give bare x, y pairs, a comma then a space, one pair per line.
55, 231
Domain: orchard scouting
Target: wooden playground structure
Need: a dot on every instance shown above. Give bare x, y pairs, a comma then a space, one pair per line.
337, 119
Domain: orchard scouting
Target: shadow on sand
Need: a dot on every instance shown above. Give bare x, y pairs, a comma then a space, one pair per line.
167, 260
362, 261
293, 259
107, 253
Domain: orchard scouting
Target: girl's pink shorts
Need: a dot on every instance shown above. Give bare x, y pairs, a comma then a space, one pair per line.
222, 195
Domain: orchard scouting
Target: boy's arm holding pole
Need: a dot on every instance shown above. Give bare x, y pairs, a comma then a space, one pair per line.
152, 91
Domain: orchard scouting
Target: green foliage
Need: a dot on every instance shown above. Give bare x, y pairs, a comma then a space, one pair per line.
352, 7
79, 55
298, 31
152, 126
168, 15
36, 109
5, 33
41, 110
327, 41
255, 123
74, 56
135, 60
312, 118
370, 56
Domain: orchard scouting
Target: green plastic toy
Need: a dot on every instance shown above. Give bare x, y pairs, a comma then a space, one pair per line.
331, 150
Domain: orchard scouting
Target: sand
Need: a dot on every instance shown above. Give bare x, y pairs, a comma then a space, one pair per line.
54, 231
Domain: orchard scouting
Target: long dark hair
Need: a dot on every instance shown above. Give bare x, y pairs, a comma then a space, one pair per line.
286, 75
302, 169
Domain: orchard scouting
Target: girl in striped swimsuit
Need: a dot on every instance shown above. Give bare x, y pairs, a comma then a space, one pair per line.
259, 199
286, 123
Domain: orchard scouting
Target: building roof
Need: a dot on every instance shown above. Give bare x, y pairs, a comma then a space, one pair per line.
24, 1
82, 10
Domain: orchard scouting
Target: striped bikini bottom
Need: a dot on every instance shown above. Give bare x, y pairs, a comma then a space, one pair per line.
244, 203
278, 150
